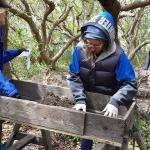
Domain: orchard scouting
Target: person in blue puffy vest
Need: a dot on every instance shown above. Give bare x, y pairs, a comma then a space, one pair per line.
99, 65
6, 87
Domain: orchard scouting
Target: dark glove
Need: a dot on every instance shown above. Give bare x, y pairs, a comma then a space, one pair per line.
20, 50
16, 96
4, 4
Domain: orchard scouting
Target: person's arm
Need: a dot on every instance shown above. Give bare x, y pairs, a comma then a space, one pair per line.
74, 81
127, 83
147, 62
11, 54
6, 87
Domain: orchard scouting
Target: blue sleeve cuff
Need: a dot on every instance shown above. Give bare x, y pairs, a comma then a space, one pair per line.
9, 55
6, 87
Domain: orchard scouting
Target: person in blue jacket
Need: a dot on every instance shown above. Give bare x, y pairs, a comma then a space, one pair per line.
147, 68
6, 87
147, 62
99, 65
4, 4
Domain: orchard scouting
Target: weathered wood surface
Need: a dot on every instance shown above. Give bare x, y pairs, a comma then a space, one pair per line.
51, 117
36, 92
130, 117
109, 129
1, 122
59, 119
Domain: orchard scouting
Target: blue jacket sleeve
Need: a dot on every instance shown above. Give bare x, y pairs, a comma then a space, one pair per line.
6, 87
124, 70
9, 55
74, 65
74, 82
127, 83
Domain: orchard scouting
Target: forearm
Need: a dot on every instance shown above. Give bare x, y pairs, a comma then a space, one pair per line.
8, 55
77, 89
125, 94
6, 87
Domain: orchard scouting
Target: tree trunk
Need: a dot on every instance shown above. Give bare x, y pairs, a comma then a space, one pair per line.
7, 71
114, 7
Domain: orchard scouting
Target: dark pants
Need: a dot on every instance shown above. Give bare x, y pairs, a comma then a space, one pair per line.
86, 144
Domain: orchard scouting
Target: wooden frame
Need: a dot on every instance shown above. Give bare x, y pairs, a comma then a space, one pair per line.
87, 125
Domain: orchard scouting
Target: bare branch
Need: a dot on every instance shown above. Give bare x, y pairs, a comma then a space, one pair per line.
59, 54
90, 10
134, 5
30, 21
48, 2
58, 22
67, 29
49, 9
27, 8
126, 14
131, 56
136, 21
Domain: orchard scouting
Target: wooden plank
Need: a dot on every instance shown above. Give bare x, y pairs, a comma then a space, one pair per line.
39, 91
22, 143
110, 130
100, 134
95, 101
1, 123
129, 118
63, 120
49, 117
125, 144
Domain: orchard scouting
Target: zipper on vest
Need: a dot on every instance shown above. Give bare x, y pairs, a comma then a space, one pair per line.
93, 65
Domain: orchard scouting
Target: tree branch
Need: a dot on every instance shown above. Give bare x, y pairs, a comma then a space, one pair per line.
135, 5
49, 9
58, 22
136, 21
27, 8
58, 55
126, 14
131, 56
67, 29
30, 21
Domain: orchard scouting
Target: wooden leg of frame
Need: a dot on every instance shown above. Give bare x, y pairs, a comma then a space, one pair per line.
12, 136
1, 123
139, 139
46, 139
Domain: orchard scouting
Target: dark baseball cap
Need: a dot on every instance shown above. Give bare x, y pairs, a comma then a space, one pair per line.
93, 32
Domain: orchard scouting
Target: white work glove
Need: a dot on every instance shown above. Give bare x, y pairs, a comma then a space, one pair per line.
81, 107
111, 111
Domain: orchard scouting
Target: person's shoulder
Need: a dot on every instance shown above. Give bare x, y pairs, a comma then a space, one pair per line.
119, 48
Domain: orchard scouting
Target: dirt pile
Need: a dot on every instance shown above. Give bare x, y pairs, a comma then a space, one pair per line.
54, 100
